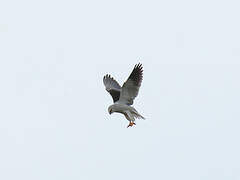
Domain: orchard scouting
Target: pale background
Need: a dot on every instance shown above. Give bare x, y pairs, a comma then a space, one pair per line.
54, 122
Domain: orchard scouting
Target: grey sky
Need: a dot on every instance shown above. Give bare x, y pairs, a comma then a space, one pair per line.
54, 122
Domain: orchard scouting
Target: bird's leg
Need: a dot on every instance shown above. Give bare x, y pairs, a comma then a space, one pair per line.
131, 124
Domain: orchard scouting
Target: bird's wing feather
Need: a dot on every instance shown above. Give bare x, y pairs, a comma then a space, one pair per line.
112, 87
131, 87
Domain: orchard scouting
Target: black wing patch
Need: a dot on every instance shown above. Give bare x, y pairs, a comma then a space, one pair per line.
115, 95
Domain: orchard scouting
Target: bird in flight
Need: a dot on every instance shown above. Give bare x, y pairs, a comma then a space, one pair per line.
123, 96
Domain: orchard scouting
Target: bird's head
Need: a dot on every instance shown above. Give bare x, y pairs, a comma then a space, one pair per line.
110, 110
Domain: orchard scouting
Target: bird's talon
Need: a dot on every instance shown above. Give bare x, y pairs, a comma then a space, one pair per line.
131, 124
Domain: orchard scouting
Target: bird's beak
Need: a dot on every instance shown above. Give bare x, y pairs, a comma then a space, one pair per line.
110, 112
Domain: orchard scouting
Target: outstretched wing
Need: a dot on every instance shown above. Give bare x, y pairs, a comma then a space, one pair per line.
112, 87
131, 87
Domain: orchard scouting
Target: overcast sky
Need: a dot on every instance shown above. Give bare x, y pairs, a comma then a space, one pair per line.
54, 122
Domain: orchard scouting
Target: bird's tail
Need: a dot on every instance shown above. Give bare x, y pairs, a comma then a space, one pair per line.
137, 115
